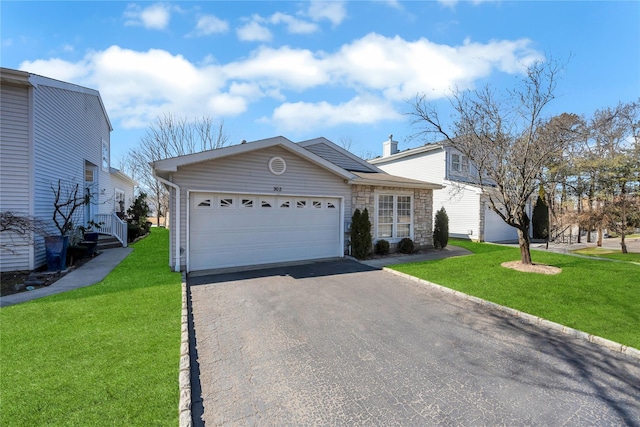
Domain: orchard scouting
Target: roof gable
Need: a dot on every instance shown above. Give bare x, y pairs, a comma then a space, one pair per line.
37, 80
172, 164
338, 155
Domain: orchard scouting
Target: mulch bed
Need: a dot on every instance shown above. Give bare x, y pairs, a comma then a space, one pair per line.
9, 280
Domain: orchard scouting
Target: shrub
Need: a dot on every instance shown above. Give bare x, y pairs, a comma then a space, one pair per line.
134, 231
382, 247
540, 219
139, 210
406, 246
441, 229
360, 234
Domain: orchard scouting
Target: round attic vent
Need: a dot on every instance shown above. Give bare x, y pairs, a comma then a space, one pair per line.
277, 165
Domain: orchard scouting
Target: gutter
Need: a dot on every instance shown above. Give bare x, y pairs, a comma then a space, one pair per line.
177, 238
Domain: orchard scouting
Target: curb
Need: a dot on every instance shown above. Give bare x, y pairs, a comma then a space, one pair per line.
184, 376
529, 318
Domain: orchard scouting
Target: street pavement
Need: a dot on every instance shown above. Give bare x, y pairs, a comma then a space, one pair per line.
342, 343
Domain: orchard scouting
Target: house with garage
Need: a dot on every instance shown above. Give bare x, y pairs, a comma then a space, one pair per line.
467, 206
274, 200
53, 131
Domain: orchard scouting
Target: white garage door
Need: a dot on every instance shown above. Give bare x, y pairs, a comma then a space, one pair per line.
230, 230
496, 230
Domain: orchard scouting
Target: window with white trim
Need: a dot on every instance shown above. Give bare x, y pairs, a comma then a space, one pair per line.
459, 163
394, 216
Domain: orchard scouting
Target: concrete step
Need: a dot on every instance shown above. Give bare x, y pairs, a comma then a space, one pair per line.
108, 242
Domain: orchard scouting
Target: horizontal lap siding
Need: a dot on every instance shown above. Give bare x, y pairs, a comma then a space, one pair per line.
14, 169
114, 182
429, 167
463, 209
249, 173
68, 129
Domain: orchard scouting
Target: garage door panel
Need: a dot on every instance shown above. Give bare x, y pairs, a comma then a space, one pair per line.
288, 229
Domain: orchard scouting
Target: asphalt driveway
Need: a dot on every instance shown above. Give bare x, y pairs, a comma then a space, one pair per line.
340, 343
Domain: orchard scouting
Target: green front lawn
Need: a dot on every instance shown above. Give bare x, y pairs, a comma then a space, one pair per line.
107, 354
598, 297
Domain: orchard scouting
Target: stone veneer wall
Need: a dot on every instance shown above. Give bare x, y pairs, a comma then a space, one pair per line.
363, 196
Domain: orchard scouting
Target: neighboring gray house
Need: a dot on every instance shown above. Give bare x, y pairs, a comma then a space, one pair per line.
51, 130
467, 207
273, 200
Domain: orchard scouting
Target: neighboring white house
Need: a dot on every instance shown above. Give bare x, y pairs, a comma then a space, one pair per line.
274, 201
52, 130
467, 208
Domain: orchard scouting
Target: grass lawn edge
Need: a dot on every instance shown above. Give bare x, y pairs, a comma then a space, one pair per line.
529, 318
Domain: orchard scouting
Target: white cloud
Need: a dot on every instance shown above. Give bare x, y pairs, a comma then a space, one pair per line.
154, 17
58, 69
361, 82
209, 24
334, 11
253, 31
401, 68
282, 67
452, 3
299, 116
137, 86
294, 25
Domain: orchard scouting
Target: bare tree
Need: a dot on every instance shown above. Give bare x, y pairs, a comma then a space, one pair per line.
507, 140
170, 136
19, 230
346, 143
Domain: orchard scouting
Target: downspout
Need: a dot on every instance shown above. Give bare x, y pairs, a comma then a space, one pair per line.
177, 238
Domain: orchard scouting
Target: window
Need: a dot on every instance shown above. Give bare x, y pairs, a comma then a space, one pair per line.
119, 200
330, 205
394, 216
459, 163
317, 204
247, 203
285, 204
226, 203
301, 203
204, 202
105, 155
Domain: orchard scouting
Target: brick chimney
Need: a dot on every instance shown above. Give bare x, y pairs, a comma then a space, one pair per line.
389, 147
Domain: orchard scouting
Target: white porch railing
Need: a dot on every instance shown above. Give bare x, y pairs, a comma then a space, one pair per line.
113, 226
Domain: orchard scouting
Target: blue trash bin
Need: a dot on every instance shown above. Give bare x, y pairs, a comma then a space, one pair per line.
56, 247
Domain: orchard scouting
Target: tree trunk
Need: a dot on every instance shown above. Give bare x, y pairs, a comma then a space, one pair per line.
525, 251
599, 242
623, 220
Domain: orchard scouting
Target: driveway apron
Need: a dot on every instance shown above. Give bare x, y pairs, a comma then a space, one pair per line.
340, 343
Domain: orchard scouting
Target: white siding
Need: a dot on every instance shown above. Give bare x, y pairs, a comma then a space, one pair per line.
429, 167
68, 130
463, 209
112, 183
249, 173
15, 173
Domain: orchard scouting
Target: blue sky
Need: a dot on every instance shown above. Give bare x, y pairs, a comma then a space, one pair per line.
342, 70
